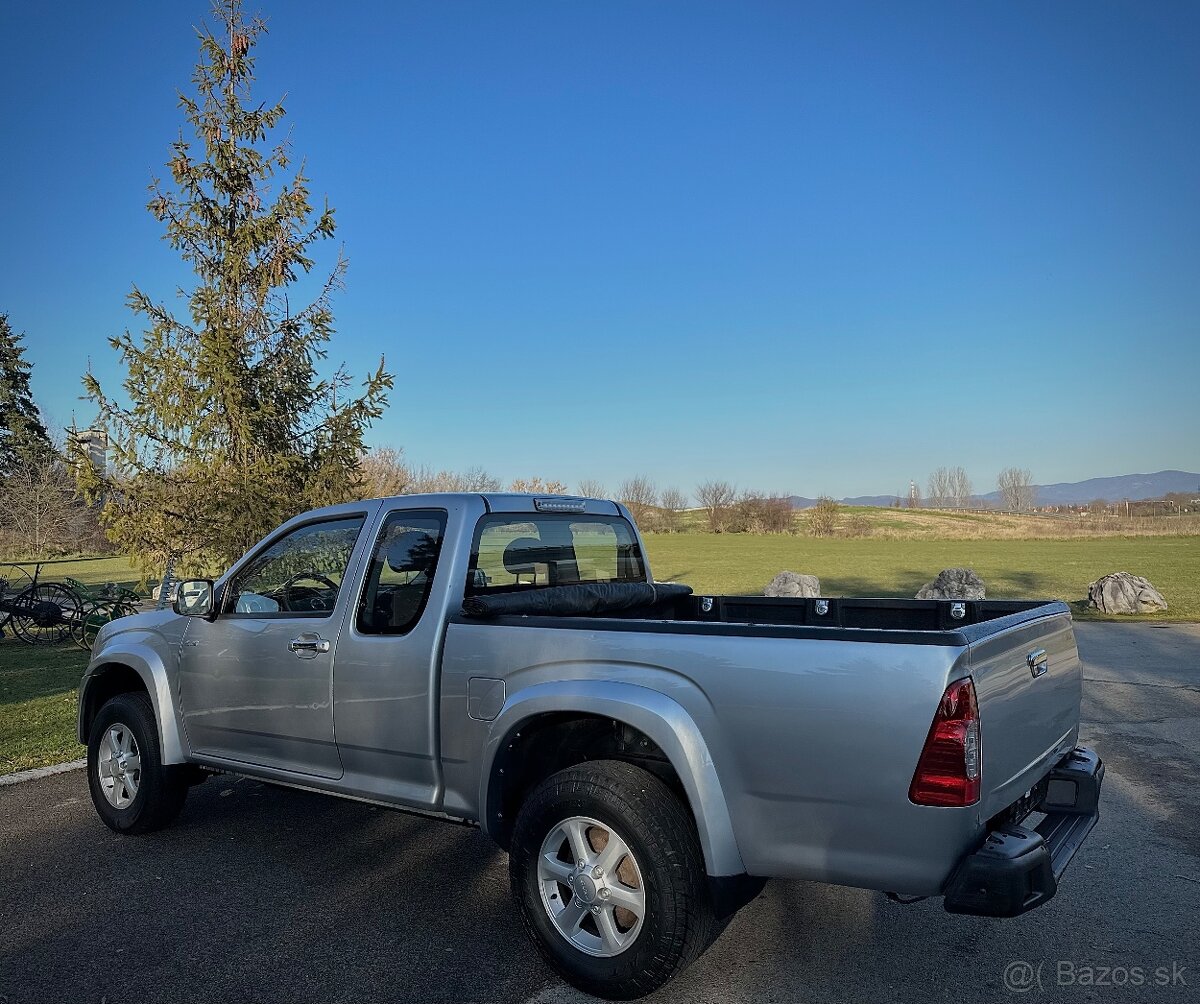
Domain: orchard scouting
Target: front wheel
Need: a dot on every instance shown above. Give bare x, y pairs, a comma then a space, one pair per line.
132, 789
608, 873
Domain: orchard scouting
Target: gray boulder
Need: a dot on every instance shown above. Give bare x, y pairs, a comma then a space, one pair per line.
1123, 593
793, 584
954, 584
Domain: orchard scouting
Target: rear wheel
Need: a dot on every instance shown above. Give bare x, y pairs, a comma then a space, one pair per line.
607, 870
132, 789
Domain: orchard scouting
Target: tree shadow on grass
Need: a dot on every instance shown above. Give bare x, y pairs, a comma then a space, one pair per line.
28, 672
902, 584
906, 583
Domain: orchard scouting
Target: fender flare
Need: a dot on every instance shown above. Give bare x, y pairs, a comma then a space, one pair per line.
142, 659
662, 719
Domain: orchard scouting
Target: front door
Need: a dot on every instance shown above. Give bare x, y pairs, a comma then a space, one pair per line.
256, 683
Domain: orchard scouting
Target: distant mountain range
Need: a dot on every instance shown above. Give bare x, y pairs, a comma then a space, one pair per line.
1124, 486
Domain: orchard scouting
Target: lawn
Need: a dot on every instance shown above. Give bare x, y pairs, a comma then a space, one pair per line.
1059, 569
90, 571
38, 698
38, 685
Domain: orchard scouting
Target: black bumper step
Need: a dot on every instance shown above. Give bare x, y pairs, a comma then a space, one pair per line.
1019, 868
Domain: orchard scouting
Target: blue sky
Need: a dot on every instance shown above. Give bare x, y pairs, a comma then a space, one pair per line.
808, 248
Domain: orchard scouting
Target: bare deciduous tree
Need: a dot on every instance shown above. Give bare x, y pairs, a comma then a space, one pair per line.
961, 490
674, 499
640, 497
1016, 488
40, 507
673, 503
536, 486
476, 479
592, 489
938, 495
949, 486
717, 497
426, 479
383, 472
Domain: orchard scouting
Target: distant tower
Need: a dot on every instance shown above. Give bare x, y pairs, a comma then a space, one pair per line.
914, 499
94, 442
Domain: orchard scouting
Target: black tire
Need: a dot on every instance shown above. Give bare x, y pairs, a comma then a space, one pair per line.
679, 921
161, 789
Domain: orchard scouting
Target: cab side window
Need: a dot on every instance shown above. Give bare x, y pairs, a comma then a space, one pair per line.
298, 575
401, 572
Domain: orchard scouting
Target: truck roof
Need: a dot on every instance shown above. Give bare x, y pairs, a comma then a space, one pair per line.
495, 502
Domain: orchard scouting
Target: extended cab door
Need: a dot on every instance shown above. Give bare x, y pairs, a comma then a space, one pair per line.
389, 654
256, 682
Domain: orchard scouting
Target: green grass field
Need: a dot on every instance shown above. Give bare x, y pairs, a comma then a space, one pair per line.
37, 704
1055, 569
91, 571
38, 694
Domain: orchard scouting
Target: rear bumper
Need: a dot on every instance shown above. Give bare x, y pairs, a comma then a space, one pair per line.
1018, 868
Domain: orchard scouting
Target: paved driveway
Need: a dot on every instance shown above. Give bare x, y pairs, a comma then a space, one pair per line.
264, 894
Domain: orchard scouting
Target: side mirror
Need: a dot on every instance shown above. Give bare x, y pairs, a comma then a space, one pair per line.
194, 598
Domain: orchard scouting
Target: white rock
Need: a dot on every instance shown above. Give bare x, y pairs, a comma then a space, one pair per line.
793, 584
1124, 593
954, 584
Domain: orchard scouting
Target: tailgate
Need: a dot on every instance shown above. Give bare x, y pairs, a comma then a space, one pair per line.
1028, 681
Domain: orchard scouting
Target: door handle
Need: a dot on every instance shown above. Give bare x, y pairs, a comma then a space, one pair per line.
1038, 662
308, 646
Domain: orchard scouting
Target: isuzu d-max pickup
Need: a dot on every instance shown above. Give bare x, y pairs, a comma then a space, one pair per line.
646, 756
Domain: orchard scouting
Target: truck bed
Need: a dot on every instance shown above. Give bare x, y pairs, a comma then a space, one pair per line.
814, 721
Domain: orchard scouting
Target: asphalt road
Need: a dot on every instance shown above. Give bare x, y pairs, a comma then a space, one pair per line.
264, 894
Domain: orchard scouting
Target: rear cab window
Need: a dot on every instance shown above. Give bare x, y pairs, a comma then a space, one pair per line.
400, 575
533, 550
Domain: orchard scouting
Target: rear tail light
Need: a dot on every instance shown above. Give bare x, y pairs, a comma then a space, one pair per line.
951, 763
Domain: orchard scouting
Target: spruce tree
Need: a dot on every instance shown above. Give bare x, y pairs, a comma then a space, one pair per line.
226, 426
23, 437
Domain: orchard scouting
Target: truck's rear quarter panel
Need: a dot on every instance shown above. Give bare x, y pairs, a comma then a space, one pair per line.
814, 741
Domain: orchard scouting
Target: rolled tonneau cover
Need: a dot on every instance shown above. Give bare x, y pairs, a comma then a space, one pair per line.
575, 601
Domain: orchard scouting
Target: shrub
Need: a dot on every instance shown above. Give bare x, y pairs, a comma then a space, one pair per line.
757, 513
823, 517
858, 526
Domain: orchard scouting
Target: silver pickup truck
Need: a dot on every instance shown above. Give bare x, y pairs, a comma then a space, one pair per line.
646, 756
